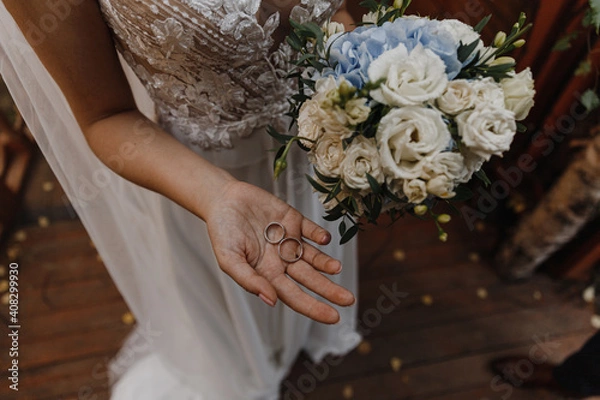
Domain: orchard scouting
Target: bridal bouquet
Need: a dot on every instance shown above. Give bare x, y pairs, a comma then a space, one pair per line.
399, 112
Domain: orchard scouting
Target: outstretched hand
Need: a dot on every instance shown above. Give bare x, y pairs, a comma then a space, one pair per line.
236, 224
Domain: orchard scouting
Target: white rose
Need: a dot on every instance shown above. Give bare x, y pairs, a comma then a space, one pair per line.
415, 190
333, 28
473, 163
370, 17
443, 172
519, 93
306, 123
487, 91
441, 186
406, 137
361, 158
357, 110
446, 163
487, 130
461, 32
458, 97
410, 79
328, 154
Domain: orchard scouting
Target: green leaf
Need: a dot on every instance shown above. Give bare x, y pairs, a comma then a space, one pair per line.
483, 177
342, 228
375, 186
590, 100
464, 51
463, 193
479, 27
584, 68
326, 179
334, 192
350, 233
564, 43
521, 128
318, 187
371, 5
595, 15
283, 139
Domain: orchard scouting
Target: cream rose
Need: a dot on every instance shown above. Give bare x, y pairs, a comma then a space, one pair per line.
328, 154
519, 93
329, 115
406, 137
307, 127
361, 158
357, 110
410, 79
487, 130
488, 92
415, 190
458, 97
442, 172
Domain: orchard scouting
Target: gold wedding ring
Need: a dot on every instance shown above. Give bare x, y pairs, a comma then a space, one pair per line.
272, 237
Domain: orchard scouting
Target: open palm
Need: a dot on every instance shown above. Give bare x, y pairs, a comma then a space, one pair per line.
236, 224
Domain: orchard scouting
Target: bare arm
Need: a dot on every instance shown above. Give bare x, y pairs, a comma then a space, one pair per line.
81, 57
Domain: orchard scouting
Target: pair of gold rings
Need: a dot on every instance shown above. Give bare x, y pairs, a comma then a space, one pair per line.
275, 234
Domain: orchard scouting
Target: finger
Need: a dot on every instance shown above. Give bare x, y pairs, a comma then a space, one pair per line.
313, 280
320, 260
247, 277
291, 294
314, 232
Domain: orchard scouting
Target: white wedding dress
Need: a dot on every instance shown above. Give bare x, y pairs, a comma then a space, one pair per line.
215, 83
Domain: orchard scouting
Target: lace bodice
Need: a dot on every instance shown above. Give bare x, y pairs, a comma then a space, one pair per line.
212, 69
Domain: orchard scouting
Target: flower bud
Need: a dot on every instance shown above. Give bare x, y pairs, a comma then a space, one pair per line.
280, 166
444, 218
421, 209
500, 39
503, 60
519, 43
398, 4
443, 237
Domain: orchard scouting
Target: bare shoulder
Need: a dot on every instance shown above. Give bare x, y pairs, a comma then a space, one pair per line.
75, 45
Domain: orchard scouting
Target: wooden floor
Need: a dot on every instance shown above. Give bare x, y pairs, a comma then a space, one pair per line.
454, 316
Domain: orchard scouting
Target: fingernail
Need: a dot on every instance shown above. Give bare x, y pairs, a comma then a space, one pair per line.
266, 300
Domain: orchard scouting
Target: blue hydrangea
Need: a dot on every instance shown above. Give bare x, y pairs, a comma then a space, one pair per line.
351, 54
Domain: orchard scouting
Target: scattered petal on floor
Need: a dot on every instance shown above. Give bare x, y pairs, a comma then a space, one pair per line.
474, 257
2, 271
364, 348
399, 255
3, 286
20, 236
537, 295
13, 253
48, 186
5, 298
589, 294
482, 293
348, 392
427, 300
596, 321
128, 318
480, 226
396, 364
44, 222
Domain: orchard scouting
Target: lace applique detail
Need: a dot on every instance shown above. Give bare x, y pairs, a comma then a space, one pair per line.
209, 65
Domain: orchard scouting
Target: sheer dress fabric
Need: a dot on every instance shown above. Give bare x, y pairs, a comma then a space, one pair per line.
211, 75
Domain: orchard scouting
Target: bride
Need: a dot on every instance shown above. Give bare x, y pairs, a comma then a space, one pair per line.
213, 257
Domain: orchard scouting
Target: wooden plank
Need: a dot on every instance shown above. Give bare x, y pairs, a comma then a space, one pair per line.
426, 381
